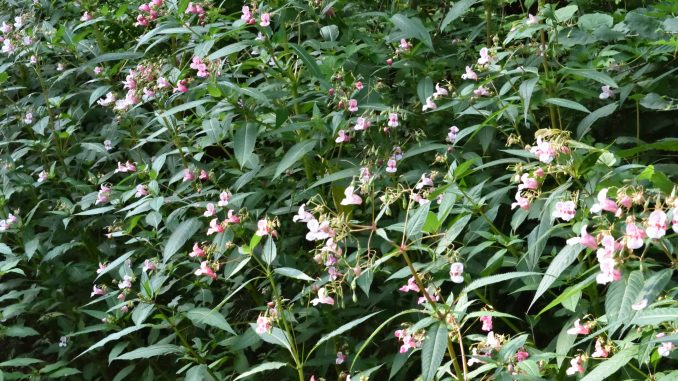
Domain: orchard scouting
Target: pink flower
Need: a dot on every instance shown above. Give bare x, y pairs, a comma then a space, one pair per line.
640, 305
232, 217
362, 124
604, 203
246, 14
578, 329
203, 175
197, 251
392, 120
487, 323
318, 231
365, 175
656, 224
263, 324
409, 342
141, 191
456, 271
163, 83
600, 351
109, 100
350, 197
608, 271
431, 295
343, 137
452, 134
626, 201
210, 210
522, 356
101, 268
125, 283
265, 20
482, 91
674, 220
470, 74
424, 181
410, 286
484, 57
352, 105
200, 66
666, 347
440, 91
323, 298
205, 269
86, 17
8, 47
103, 195
606, 92
634, 236
149, 266
522, 202
565, 210
188, 175
97, 291
6, 28
576, 366
391, 166
492, 341
405, 45
358, 85
181, 86
528, 182
430, 105
224, 198
34, 59
340, 358
531, 19
585, 239
263, 228
215, 227
144, 8
544, 151
302, 215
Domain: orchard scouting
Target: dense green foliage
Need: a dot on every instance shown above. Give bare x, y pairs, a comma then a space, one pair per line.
338, 190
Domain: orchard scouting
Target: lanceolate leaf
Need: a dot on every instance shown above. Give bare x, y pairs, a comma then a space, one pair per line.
608, 367
492, 279
114, 336
412, 28
343, 329
180, 237
433, 350
150, 351
210, 317
559, 264
296, 153
243, 143
262, 368
458, 9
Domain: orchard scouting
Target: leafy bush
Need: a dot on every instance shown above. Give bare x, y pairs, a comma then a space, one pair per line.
338, 190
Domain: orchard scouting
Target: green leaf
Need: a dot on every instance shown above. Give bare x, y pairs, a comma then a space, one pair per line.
492, 279
292, 273
585, 125
269, 251
19, 331
565, 13
98, 93
424, 89
412, 27
276, 336
655, 316
243, 143
593, 21
560, 263
150, 351
458, 9
113, 265
620, 296
228, 50
262, 368
184, 107
118, 56
329, 32
593, 75
210, 317
114, 336
569, 292
141, 312
454, 231
433, 351
560, 102
416, 221
343, 328
310, 63
340, 175
20, 361
294, 154
526, 89
608, 367
179, 237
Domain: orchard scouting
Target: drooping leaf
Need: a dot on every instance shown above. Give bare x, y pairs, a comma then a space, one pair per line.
243, 143
412, 28
458, 9
150, 351
559, 264
262, 368
608, 367
433, 350
180, 236
293, 155
210, 317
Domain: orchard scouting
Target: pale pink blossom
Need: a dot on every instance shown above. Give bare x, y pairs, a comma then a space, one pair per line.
163, 83
362, 124
608, 272
430, 105
215, 227
343, 137
405, 45
606, 92
224, 198
6, 28
656, 224
265, 20
604, 203
440, 91
484, 56
8, 47
626, 202
246, 14
42, 176
205, 269
456, 271
487, 322
263, 228
576, 366
585, 239
634, 236
666, 347
197, 251
470, 74
108, 100
125, 283
332, 273
358, 85
410, 286
18, 21
482, 91
188, 175
640, 305
565, 210
452, 134
322, 298
424, 181
141, 191
392, 120
528, 182
97, 291
365, 175
544, 151
431, 295
149, 266
200, 66
103, 195
210, 210
101, 268
522, 356
419, 199
302, 215
351, 198
531, 19
600, 351
232, 218
340, 358
578, 329
391, 166
33, 60
86, 16
522, 202
263, 324
318, 231
352, 105
203, 175
181, 86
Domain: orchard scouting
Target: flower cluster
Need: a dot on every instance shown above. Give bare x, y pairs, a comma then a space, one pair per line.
148, 12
